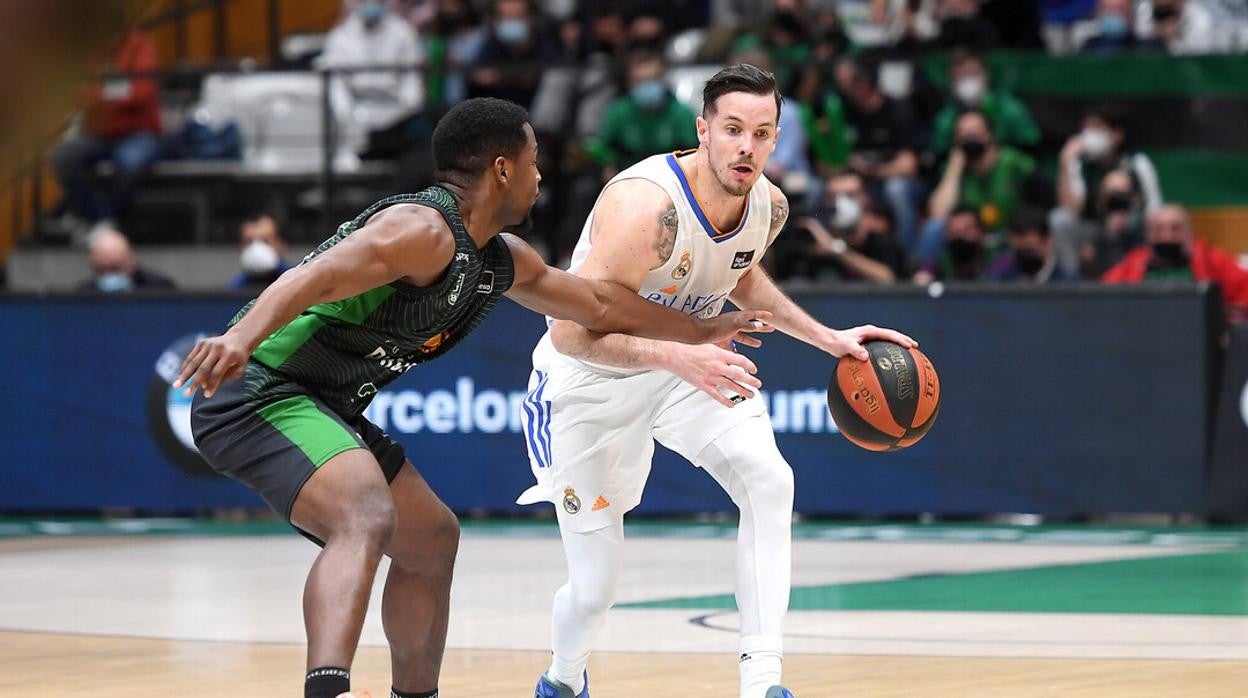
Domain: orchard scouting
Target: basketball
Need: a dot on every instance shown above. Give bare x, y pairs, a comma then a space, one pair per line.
888, 402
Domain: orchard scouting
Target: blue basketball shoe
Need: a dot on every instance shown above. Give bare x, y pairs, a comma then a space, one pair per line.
550, 688
779, 692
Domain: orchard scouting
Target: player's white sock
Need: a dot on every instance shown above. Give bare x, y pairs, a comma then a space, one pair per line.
580, 607
760, 666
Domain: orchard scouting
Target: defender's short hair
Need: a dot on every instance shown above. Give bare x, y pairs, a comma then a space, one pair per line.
475, 132
741, 77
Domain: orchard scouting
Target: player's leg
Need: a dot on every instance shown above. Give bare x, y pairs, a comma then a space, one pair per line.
317, 472
347, 504
747, 464
416, 601
590, 448
737, 448
580, 607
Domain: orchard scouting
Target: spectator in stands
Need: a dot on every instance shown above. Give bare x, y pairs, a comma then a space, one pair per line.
785, 41
1119, 226
1181, 27
454, 41
114, 268
648, 120
882, 135
994, 180
963, 254
962, 25
970, 85
515, 46
1115, 30
371, 35
1087, 157
1028, 257
263, 252
870, 252
120, 124
1172, 253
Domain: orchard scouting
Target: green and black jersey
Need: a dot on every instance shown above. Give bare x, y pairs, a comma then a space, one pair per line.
345, 351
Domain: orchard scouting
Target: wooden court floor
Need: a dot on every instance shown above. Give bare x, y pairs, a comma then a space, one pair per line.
876, 612
73, 666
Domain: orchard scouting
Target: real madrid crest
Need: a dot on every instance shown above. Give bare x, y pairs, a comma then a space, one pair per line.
571, 502
686, 265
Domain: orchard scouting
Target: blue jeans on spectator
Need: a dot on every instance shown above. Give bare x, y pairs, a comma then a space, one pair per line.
931, 242
74, 161
902, 196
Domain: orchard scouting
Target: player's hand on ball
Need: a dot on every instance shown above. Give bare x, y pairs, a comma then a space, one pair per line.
850, 341
212, 361
715, 370
736, 325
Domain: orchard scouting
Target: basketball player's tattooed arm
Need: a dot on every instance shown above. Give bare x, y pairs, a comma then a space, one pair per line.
603, 305
779, 214
756, 290
634, 232
405, 242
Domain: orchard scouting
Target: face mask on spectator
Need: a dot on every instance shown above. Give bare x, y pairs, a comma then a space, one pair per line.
974, 149
1170, 252
512, 31
970, 90
1118, 201
1096, 143
962, 250
114, 282
845, 212
1162, 13
1112, 26
258, 258
370, 12
1028, 261
649, 94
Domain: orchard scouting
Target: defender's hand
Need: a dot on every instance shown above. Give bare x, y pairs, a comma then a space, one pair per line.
710, 368
212, 361
736, 325
850, 341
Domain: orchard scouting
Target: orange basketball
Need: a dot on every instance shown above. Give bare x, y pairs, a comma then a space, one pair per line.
887, 402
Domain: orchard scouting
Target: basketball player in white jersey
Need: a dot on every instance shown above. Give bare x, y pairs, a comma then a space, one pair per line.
685, 230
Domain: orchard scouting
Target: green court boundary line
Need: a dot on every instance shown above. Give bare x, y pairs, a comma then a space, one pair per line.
1064, 534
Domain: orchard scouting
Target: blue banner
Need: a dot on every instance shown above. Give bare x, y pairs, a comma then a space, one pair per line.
1079, 401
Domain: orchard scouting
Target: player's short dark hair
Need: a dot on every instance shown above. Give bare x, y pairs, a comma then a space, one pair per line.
475, 132
741, 77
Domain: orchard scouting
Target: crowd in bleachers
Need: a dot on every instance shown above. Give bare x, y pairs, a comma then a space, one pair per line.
891, 177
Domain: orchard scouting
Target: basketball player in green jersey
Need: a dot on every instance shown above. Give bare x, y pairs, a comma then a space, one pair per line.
400, 285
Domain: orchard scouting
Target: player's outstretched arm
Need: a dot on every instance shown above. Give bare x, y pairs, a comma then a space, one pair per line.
401, 242
757, 290
606, 306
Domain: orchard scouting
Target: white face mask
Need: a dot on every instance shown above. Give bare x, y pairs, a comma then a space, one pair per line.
1096, 143
846, 212
970, 90
259, 258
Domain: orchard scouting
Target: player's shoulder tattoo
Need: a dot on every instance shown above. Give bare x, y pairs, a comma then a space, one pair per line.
779, 214
666, 241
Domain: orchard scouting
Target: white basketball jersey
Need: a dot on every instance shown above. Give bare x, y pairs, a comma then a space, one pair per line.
705, 263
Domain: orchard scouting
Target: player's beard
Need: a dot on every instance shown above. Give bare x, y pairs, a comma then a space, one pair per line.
730, 186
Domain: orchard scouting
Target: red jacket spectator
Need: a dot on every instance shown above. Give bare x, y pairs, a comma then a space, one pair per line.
1207, 263
122, 106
